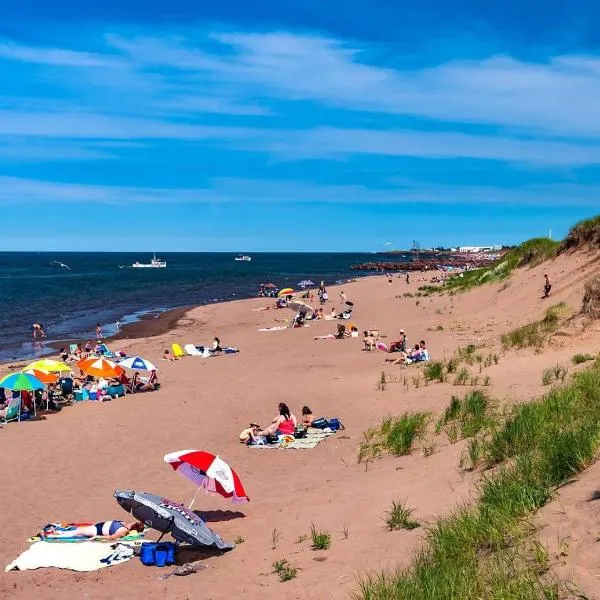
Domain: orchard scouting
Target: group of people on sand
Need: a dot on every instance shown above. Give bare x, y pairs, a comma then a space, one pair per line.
418, 353
285, 423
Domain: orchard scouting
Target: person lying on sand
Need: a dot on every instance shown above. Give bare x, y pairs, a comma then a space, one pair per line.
108, 530
283, 424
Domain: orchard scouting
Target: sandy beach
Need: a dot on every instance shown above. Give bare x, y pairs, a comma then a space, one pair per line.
66, 466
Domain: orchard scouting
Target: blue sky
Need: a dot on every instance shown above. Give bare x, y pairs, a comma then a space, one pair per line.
296, 126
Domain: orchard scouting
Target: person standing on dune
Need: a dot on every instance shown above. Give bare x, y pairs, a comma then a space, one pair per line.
547, 287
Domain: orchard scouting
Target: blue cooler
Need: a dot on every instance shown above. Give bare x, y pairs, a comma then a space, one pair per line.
157, 554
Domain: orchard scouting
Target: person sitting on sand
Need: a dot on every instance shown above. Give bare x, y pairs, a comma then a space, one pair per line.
283, 424
215, 346
406, 359
167, 355
368, 341
108, 530
307, 416
248, 435
400, 344
149, 385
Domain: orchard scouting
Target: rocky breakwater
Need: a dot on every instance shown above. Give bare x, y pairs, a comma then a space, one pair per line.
431, 263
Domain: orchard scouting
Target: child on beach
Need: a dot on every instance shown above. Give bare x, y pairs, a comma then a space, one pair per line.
38, 328
307, 416
167, 355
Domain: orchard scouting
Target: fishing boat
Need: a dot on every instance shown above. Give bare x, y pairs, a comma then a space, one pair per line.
243, 258
155, 263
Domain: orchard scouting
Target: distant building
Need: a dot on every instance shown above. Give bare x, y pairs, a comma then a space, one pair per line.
475, 249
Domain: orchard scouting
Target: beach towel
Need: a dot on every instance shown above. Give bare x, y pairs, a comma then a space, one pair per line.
381, 346
87, 556
276, 328
192, 350
313, 438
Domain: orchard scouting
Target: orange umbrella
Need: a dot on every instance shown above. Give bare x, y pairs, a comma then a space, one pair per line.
99, 367
43, 376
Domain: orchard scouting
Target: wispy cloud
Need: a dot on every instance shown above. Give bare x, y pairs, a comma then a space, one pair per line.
23, 191
277, 93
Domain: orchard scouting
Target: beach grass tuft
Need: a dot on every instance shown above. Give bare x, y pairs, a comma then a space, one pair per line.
579, 359
536, 334
321, 540
468, 415
434, 371
399, 516
285, 570
395, 435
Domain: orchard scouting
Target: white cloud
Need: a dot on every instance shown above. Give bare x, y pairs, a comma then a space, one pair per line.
31, 191
141, 88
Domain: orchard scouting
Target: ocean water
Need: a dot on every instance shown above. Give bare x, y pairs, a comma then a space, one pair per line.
70, 302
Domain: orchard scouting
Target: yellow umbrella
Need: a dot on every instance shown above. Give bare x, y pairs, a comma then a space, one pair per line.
286, 292
48, 365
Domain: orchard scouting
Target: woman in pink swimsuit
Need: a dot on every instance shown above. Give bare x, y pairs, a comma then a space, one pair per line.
283, 424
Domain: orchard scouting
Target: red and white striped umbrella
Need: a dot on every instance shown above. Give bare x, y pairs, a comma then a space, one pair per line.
209, 472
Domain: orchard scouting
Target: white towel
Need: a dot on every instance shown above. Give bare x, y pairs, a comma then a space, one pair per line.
82, 556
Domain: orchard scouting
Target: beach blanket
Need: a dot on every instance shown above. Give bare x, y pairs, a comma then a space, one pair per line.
87, 556
276, 328
313, 438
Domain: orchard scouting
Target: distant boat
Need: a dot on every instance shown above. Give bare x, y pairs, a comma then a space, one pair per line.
243, 258
155, 263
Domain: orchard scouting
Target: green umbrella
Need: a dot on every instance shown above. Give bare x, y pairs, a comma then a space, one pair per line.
21, 381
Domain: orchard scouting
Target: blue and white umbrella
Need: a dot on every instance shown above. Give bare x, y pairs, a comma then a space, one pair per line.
305, 283
138, 363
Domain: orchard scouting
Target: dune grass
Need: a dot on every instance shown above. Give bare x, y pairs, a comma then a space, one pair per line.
581, 358
470, 414
536, 334
486, 550
395, 435
530, 253
586, 233
399, 516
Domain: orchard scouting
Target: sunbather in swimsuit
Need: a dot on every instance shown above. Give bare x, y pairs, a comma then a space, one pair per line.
105, 529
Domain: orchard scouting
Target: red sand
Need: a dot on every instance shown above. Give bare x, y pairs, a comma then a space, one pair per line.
67, 466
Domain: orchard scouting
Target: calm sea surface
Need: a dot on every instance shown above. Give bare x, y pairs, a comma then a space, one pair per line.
70, 302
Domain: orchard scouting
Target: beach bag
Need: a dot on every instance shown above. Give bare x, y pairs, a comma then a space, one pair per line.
157, 554
335, 424
320, 423
300, 432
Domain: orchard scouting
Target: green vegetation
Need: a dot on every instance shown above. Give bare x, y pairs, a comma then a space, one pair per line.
530, 253
284, 570
395, 435
399, 516
382, 381
486, 551
321, 540
434, 371
535, 334
581, 358
470, 415
547, 377
584, 233
591, 298
461, 377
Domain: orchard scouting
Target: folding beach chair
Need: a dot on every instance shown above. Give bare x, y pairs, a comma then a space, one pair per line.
177, 351
13, 410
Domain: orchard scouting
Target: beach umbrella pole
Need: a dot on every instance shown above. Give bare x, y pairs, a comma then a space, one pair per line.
194, 498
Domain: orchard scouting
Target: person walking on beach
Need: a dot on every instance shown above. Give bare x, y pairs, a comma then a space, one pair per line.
38, 328
547, 287
98, 331
342, 298
407, 278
